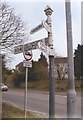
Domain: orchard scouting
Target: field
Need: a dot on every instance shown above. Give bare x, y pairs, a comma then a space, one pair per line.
43, 85
60, 85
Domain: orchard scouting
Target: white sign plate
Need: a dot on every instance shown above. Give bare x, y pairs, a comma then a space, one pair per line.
29, 46
46, 26
44, 48
27, 63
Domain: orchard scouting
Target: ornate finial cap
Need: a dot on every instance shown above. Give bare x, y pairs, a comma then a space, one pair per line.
48, 10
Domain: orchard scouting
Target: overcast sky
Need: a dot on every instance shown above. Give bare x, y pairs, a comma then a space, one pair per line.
32, 13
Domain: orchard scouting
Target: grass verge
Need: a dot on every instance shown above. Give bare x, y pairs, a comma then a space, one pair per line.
9, 111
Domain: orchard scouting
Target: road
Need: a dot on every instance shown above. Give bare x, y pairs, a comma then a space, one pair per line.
39, 102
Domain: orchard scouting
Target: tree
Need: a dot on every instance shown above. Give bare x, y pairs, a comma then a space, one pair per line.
18, 78
61, 64
11, 27
5, 71
12, 30
43, 60
78, 59
3, 66
39, 70
61, 71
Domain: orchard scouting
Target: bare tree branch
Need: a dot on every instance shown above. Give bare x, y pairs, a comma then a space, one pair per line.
61, 71
12, 29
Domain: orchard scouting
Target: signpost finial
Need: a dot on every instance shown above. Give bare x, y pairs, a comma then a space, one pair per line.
48, 10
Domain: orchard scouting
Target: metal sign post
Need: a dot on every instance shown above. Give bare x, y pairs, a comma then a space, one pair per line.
25, 106
26, 63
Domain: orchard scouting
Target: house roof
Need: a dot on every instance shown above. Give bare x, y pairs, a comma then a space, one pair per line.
61, 60
57, 60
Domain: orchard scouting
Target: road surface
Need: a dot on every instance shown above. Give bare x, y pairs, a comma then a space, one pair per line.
39, 102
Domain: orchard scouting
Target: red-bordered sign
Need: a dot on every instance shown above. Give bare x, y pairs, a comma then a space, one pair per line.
27, 55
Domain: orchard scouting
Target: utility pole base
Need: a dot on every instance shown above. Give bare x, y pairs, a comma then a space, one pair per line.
71, 104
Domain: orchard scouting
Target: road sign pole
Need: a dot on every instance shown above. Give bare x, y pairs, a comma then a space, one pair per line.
71, 94
0, 82
27, 64
26, 93
48, 11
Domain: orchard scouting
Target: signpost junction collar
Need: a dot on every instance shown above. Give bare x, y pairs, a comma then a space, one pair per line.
48, 10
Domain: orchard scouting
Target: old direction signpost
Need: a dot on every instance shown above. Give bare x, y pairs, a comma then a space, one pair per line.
41, 44
48, 50
48, 26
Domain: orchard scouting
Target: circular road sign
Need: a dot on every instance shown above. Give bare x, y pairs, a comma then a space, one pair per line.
28, 55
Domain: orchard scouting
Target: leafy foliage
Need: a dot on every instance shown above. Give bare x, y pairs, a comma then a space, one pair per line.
78, 60
39, 71
18, 78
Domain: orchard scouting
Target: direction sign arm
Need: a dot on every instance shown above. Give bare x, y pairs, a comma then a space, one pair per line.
37, 28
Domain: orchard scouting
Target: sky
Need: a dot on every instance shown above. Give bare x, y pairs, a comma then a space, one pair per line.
32, 13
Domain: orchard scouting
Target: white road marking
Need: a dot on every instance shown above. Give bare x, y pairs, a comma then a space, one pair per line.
22, 108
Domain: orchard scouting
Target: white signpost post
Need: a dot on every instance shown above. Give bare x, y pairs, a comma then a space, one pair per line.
46, 26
